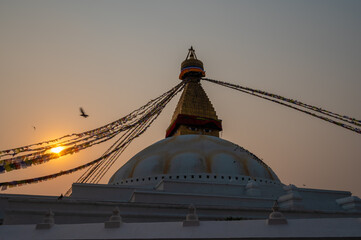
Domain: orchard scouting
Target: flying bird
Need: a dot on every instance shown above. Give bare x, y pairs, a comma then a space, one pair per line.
34, 127
83, 114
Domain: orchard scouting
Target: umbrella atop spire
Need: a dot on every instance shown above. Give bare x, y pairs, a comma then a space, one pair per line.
191, 67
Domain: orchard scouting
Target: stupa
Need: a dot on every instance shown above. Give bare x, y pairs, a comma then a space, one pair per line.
190, 185
192, 149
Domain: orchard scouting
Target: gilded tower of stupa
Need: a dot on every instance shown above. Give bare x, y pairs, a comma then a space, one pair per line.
194, 113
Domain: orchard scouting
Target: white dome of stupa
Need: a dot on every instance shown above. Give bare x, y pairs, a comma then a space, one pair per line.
196, 158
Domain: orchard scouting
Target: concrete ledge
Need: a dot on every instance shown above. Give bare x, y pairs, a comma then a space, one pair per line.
325, 228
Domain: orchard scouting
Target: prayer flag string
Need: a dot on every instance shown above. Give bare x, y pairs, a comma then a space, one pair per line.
104, 162
86, 139
273, 97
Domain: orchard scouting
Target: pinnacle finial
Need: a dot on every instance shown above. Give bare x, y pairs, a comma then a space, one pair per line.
191, 54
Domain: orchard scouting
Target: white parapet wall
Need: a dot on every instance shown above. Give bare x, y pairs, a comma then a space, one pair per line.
336, 228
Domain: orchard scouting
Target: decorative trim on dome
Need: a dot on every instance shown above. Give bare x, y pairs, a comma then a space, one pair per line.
195, 178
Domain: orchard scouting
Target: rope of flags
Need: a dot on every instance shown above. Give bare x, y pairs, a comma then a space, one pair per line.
67, 140
284, 101
15, 183
94, 174
141, 119
23, 157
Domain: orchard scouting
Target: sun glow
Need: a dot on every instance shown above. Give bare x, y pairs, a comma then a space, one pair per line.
57, 149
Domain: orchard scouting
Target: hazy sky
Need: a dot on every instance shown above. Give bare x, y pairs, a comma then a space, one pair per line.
111, 57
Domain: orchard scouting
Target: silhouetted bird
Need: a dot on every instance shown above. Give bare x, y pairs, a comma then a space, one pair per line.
83, 114
34, 127
60, 197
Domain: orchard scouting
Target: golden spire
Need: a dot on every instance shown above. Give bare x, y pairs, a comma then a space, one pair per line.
194, 113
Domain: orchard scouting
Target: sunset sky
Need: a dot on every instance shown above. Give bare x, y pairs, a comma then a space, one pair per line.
111, 57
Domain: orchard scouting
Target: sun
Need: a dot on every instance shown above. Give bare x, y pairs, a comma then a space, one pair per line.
57, 149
